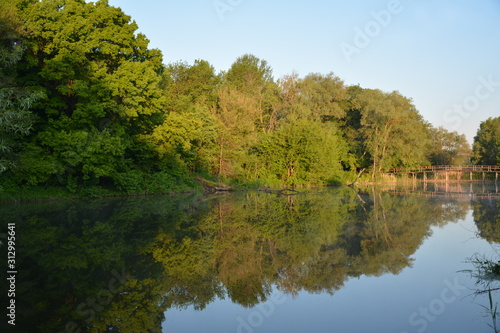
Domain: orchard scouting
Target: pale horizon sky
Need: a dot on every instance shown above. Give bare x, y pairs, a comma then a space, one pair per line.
443, 54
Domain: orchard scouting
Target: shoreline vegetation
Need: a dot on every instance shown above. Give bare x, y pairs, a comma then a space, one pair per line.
204, 187
87, 109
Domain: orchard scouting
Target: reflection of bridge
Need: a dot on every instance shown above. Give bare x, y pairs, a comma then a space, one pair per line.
447, 195
445, 171
447, 190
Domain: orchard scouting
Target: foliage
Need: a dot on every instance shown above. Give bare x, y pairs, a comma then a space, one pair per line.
85, 103
103, 89
301, 152
189, 128
16, 99
449, 148
486, 147
391, 129
246, 99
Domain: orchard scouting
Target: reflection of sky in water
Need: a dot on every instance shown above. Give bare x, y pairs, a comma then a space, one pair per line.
369, 304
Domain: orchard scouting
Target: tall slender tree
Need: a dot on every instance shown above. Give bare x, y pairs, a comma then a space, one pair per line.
245, 105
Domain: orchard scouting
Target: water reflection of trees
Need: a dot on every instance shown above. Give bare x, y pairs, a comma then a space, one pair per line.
189, 251
487, 218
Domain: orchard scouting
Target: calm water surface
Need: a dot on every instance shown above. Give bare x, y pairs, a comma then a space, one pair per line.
326, 260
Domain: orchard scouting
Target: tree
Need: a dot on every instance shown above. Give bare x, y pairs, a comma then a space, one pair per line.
103, 89
306, 136
186, 84
486, 147
188, 130
351, 127
16, 119
302, 152
250, 80
322, 95
315, 97
246, 100
393, 132
448, 147
249, 74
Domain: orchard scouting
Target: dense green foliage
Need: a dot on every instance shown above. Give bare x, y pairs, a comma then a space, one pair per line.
15, 99
486, 147
449, 148
85, 103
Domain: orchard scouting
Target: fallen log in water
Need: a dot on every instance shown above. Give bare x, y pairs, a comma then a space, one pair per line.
210, 186
284, 191
359, 175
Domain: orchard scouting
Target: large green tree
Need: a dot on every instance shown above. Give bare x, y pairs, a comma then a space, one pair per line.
103, 88
392, 131
188, 131
315, 97
486, 147
246, 100
301, 152
448, 147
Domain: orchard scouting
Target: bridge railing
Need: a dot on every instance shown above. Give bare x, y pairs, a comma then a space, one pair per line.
446, 168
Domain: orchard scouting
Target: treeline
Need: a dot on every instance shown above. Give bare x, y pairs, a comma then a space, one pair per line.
84, 103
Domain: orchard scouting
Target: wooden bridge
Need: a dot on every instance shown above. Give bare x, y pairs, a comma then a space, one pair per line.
446, 172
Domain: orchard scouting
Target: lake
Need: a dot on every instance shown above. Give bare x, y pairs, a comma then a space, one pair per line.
368, 259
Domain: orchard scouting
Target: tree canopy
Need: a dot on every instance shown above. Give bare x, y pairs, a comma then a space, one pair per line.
486, 147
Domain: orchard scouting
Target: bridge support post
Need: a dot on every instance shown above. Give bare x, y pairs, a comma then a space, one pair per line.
446, 177
470, 174
484, 176
496, 177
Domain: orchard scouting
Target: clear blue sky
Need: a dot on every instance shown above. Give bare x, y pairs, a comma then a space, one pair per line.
444, 54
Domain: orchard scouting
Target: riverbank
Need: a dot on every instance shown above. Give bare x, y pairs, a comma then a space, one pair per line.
18, 194
54, 193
